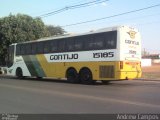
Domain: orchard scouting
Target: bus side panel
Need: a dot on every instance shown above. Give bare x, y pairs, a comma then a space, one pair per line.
92, 66
96, 68
48, 69
100, 70
56, 70
19, 62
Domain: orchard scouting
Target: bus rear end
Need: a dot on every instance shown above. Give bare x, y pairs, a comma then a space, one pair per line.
130, 53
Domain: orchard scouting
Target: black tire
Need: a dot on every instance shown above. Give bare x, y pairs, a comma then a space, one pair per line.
19, 73
86, 76
72, 76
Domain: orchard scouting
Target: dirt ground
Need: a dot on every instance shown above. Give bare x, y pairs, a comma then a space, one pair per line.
152, 72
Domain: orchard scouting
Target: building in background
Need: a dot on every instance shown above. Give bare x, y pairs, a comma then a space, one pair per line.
155, 58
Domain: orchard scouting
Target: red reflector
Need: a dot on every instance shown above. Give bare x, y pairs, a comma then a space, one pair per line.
131, 63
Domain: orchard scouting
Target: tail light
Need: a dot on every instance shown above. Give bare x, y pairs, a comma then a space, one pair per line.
121, 64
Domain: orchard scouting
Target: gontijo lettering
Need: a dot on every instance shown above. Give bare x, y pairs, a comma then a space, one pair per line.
64, 57
132, 42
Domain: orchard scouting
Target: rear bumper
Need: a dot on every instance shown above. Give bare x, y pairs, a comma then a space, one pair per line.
130, 74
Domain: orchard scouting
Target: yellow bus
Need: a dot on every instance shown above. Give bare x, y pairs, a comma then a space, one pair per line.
104, 55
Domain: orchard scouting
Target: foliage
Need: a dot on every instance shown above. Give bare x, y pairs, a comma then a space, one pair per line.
55, 30
20, 28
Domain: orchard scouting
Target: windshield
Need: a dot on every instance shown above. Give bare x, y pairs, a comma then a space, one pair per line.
10, 56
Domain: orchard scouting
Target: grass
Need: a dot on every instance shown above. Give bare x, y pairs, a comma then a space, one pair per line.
151, 75
151, 72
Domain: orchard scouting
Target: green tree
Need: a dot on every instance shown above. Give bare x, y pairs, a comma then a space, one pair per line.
20, 28
55, 30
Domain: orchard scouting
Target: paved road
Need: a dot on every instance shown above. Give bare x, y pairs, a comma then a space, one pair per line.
52, 96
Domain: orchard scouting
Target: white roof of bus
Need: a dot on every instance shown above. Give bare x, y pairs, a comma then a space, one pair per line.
81, 34
73, 35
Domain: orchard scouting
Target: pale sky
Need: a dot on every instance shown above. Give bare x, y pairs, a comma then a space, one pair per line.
147, 21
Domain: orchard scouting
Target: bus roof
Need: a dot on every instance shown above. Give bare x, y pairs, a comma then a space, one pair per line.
113, 28
80, 34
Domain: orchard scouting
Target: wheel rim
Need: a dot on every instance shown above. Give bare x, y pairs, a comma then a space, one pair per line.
86, 76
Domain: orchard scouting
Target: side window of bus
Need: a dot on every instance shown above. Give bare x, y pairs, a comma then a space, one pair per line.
95, 42
40, 47
61, 45
86, 42
28, 49
90, 42
22, 49
111, 40
18, 49
47, 46
54, 46
99, 41
69, 44
34, 48
78, 44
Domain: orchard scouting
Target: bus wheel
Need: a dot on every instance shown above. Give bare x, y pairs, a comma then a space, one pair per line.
19, 73
86, 76
72, 76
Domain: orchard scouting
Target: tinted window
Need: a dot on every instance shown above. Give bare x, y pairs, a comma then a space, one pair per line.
47, 46
10, 56
54, 46
83, 42
94, 42
18, 50
99, 41
111, 40
28, 48
22, 49
61, 45
34, 48
78, 44
40, 48
91, 43
70, 44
